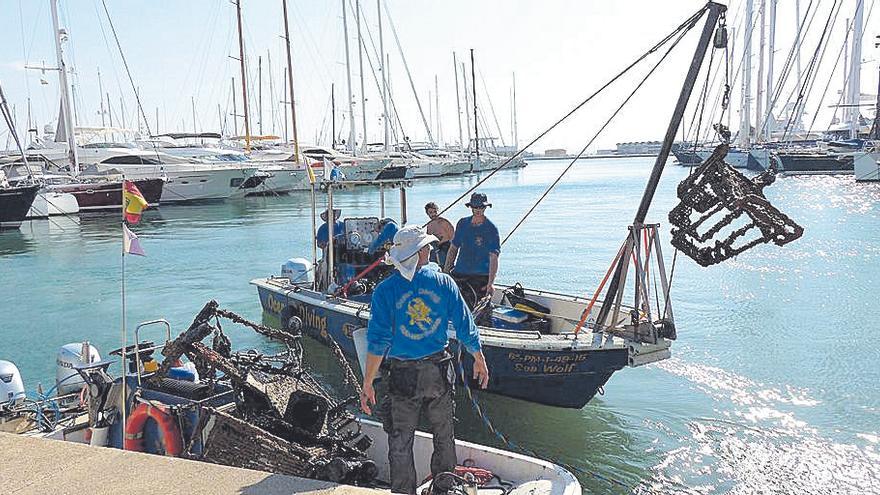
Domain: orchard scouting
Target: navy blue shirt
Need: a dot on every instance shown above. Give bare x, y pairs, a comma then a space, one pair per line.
475, 243
409, 320
386, 235
323, 236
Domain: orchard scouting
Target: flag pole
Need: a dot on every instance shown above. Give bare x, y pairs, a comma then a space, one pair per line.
124, 337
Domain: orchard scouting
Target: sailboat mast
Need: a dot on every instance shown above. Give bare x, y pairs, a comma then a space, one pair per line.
474, 88
457, 105
385, 119
467, 115
67, 114
768, 116
855, 68
247, 124
437, 109
260, 93
234, 111
357, 7
515, 129
101, 98
759, 94
290, 83
745, 127
351, 134
412, 85
332, 115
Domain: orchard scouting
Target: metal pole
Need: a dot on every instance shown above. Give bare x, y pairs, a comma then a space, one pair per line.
351, 134
247, 124
714, 11
402, 205
314, 224
437, 109
290, 83
331, 223
614, 294
384, 80
271, 90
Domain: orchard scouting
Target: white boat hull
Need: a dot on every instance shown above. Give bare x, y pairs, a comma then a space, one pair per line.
281, 179
867, 167
51, 203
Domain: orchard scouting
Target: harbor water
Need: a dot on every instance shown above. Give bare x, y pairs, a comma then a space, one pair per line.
773, 386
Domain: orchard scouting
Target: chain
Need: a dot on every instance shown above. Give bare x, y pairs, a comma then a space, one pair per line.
715, 187
350, 378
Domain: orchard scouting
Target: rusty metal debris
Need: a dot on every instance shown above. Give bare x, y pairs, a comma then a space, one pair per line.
717, 189
282, 421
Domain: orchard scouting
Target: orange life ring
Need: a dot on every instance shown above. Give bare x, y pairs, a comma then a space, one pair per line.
134, 430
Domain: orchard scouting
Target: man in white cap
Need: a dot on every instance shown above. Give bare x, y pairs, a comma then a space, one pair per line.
410, 313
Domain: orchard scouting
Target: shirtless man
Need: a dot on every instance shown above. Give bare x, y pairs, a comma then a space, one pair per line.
442, 229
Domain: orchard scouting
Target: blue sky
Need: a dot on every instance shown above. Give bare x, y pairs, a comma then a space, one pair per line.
179, 54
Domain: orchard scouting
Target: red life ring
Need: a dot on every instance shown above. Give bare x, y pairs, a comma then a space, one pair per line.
134, 430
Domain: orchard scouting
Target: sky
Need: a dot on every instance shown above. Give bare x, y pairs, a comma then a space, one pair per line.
182, 58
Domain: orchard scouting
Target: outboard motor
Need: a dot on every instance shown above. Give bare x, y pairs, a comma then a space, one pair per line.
11, 386
299, 271
67, 379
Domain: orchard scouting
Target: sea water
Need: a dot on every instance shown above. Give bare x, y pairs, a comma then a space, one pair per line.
774, 383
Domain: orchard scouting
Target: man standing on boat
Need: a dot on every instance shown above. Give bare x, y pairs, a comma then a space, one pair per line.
409, 316
442, 229
473, 256
322, 236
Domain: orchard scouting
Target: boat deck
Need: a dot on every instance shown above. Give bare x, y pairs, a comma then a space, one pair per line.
37, 466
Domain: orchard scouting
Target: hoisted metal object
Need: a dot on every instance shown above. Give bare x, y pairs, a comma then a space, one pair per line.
715, 188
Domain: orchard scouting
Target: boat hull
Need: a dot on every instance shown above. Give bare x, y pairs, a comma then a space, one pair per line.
867, 167
815, 163
280, 179
14, 205
48, 203
106, 196
520, 366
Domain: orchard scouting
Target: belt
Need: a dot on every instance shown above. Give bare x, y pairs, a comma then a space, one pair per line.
437, 358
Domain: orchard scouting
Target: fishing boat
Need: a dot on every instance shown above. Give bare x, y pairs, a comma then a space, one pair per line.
267, 412
540, 345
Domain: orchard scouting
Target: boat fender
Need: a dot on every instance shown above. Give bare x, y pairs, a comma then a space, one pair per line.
134, 429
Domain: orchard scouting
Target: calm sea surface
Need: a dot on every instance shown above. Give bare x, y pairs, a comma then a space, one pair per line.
774, 384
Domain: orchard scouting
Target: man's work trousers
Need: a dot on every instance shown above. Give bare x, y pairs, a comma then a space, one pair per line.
416, 388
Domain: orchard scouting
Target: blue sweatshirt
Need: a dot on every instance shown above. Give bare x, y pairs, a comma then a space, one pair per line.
409, 320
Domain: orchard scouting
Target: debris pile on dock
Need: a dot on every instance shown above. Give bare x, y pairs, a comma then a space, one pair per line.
282, 419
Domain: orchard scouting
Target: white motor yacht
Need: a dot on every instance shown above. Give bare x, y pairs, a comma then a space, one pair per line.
187, 180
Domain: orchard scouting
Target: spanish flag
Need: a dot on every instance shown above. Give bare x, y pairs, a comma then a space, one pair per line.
133, 202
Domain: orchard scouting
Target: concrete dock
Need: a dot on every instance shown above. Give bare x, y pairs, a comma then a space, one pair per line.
39, 466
